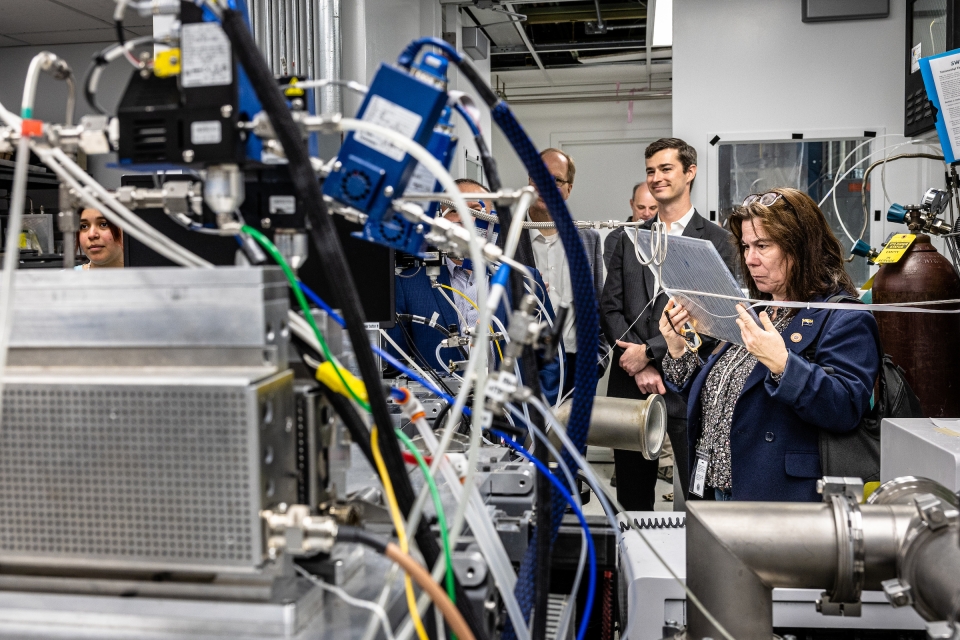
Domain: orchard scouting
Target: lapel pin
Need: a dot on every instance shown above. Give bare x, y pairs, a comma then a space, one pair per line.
806, 322
795, 337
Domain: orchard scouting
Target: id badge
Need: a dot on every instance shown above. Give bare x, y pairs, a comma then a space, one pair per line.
700, 474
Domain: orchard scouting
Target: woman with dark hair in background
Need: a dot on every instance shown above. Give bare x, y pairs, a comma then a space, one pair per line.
100, 240
755, 412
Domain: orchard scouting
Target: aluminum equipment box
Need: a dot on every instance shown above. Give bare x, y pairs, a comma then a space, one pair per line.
148, 417
924, 447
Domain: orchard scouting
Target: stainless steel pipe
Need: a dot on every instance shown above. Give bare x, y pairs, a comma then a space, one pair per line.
302, 37
621, 423
737, 553
327, 57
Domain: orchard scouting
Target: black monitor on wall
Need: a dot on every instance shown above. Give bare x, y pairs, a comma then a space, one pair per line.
933, 26
372, 265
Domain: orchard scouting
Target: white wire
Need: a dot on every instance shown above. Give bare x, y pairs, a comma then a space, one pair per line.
373, 607
11, 256
840, 177
475, 374
113, 210
594, 482
571, 603
844, 161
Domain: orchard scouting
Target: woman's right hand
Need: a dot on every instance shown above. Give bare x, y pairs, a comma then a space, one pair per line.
676, 314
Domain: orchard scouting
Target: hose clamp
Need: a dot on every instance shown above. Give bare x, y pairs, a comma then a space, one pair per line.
844, 495
935, 517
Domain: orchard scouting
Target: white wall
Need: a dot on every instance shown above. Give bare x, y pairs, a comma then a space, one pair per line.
749, 70
607, 149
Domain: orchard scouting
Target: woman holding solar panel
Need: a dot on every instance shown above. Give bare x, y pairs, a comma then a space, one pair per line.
755, 412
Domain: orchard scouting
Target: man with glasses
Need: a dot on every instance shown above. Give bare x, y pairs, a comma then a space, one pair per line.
551, 259
428, 302
630, 314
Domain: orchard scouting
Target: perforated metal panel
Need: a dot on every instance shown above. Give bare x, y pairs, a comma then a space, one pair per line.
135, 475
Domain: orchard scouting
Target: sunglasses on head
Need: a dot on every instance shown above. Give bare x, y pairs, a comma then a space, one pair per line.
766, 199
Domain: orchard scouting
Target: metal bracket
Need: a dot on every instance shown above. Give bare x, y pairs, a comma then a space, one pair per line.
898, 594
828, 607
941, 630
931, 511
845, 495
851, 488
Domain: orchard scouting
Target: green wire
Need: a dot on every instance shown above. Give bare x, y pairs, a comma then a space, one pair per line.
292, 278
441, 518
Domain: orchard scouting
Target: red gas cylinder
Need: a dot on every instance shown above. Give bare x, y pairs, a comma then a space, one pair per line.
925, 345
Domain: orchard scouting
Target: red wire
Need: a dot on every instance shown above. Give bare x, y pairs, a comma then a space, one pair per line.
409, 459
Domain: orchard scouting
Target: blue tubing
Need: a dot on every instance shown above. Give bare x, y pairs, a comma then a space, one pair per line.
591, 551
588, 320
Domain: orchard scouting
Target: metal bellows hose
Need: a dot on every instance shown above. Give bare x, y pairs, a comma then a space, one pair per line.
621, 423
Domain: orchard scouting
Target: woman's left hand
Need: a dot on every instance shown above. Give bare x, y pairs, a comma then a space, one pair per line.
765, 343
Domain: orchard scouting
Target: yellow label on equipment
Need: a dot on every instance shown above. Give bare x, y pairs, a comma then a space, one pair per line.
294, 91
167, 63
896, 247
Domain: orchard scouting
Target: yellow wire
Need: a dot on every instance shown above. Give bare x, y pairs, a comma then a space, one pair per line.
474, 305
401, 531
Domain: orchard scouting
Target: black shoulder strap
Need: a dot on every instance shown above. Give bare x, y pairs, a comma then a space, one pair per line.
810, 353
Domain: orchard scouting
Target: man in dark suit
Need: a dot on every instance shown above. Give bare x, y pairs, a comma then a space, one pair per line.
550, 257
631, 321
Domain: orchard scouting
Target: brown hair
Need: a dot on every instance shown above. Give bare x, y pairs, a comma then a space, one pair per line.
571, 167
686, 153
797, 226
114, 229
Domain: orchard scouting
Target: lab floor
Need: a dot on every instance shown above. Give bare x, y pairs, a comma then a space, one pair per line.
604, 471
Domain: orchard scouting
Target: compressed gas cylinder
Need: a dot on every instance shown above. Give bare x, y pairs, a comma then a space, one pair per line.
925, 345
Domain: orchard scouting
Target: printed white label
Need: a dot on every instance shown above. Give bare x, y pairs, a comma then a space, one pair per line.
700, 477
392, 116
283, 204
915, 56
206, 132
422, 181
206, 59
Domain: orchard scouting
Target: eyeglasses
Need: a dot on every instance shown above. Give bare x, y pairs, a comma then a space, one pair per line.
766, 199
560, 181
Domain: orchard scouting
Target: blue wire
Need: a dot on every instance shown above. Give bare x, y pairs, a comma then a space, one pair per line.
474, 129
317, 300
407, 55
592, 584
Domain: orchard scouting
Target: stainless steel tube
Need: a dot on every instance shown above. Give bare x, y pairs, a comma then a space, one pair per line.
737, 553
621, 423
329, 99
283, 59
937, 581
309, 37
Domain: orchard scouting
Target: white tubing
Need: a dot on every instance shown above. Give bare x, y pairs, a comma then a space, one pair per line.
128, 220
476, 371
11, 258
164, 246
30, 84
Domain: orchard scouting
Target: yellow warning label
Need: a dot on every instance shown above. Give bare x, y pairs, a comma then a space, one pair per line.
167, 63
294, 91
896, 247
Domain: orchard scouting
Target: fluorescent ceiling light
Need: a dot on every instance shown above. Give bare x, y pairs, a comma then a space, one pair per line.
663, 24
